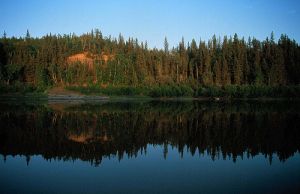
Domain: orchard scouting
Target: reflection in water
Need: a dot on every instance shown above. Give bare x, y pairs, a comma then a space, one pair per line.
91, 132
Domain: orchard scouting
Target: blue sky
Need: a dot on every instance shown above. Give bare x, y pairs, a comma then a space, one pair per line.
152, 20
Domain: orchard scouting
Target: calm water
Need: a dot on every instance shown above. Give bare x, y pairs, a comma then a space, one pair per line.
150, 147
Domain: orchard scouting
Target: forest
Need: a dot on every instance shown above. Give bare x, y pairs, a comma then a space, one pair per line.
92, 60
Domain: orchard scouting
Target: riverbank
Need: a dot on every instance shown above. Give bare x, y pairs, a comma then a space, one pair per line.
190, 91
164, 92
61, 94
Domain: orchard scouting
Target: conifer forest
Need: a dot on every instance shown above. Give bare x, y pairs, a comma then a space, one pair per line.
92, 59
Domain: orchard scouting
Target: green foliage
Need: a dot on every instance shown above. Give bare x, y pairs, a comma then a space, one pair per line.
13, 72
169, 91
249, 91
155, 91
230, 91
42, 78
18, 87
209, 91
229, 67
110, 90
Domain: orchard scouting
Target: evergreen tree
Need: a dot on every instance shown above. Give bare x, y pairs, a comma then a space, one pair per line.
226, 80
46, 60
166, 46
27, 35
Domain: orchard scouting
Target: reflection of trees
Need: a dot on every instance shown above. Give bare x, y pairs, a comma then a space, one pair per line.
90, 132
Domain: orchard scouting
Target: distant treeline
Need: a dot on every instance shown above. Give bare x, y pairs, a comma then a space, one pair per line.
102, 61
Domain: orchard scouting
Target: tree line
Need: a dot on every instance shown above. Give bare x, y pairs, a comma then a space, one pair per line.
216, 62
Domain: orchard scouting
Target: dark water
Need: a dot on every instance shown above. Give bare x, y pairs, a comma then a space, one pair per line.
150, 147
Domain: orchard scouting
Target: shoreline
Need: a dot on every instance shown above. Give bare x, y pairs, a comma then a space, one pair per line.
94, 98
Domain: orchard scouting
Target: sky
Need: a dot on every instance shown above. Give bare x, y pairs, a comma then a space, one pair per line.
153, 20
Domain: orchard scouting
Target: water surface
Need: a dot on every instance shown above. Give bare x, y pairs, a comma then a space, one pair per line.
150, 147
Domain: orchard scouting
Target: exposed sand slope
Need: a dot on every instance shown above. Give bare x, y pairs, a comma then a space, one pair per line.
89, 58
